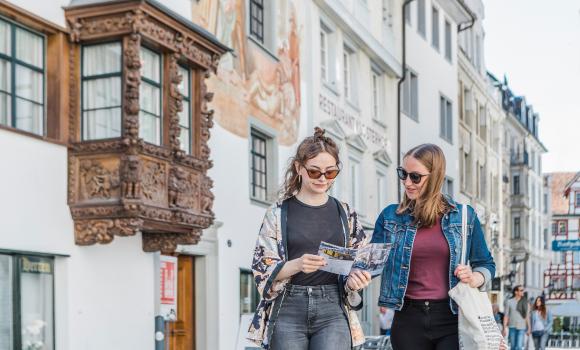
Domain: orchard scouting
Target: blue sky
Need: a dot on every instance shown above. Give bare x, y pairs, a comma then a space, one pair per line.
536, 44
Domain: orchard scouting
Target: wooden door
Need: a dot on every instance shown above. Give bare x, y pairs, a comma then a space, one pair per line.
181, 334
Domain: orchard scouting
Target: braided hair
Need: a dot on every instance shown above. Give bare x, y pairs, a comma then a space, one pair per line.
309, 148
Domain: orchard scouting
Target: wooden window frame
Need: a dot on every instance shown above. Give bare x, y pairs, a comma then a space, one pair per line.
55, 77
188, 100
162, 83
95, 77
13, 62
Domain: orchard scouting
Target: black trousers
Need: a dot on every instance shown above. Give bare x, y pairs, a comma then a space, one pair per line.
425, 325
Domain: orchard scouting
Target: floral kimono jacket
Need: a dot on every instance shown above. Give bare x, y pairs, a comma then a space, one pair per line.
270, 255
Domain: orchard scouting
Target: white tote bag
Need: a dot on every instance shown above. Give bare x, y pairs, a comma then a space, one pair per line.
477, 327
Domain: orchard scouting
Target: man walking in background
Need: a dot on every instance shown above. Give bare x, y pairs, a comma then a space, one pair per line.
516, 318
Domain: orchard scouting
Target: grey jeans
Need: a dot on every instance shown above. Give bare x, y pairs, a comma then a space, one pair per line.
311, 318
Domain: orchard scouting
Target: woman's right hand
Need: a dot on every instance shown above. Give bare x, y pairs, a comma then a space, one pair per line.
309, 263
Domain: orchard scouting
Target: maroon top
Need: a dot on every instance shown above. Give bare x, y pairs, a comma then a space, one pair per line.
429, 274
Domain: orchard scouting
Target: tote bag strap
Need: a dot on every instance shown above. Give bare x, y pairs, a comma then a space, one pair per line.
463, 234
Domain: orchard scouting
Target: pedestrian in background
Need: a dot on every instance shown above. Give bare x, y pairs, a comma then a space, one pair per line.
517, 319
423, 265
386, 320
301, 306
542, 321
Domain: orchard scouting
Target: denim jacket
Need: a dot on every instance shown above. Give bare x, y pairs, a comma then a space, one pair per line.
398, 229
271, 254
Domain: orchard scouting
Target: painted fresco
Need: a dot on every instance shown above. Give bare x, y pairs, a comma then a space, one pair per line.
250, 82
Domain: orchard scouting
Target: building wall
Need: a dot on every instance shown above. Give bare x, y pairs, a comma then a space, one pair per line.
367, 140
96, 288
436, 76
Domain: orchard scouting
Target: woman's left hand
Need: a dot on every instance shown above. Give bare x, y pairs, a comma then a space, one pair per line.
465, 275
358, 279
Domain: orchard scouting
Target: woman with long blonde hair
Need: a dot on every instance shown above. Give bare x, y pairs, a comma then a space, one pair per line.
425, 232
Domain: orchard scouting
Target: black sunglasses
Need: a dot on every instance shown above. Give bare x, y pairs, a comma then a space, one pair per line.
415, 177
316, 174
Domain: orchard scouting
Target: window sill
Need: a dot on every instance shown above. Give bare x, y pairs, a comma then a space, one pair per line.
263, 48
32, 135
260, 202
380, 123
446, 139
353, 105
415, 119
330, 86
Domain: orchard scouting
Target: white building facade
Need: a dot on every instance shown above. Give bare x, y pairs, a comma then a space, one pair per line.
429, 95
527, 218
351, 91
480, 124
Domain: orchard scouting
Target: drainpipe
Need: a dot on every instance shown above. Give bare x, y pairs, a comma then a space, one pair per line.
399, 84
471, 14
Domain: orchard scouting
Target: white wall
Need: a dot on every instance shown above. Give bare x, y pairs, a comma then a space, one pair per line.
111, 296
103, 294
241, 222
49, 10
436, 75
33, 195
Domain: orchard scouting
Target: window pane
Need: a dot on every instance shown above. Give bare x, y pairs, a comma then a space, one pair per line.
6, 302
29, 116
149, 128
184, 115
5, 76
406, 95
5, 107
5, 47
101, 93
149, 99
184, 140
435, 28
101, 59
151, 65
29, 84
184, 85
29, 48
36, 303
448, 40
449, 121
421, 17
414, 97
102, 124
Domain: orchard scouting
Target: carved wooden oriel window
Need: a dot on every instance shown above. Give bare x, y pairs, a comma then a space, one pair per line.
139, 124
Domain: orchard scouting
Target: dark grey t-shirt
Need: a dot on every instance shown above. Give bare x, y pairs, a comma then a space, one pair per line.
307, 227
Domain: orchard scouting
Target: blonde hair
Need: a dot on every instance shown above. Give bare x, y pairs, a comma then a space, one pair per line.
430, 203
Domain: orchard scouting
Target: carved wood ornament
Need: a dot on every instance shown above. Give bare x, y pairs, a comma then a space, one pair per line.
122, 186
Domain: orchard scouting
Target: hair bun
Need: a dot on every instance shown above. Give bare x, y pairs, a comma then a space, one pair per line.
319, 132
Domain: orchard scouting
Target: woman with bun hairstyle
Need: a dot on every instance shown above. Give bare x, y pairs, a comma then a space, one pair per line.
302, 307
423, 265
